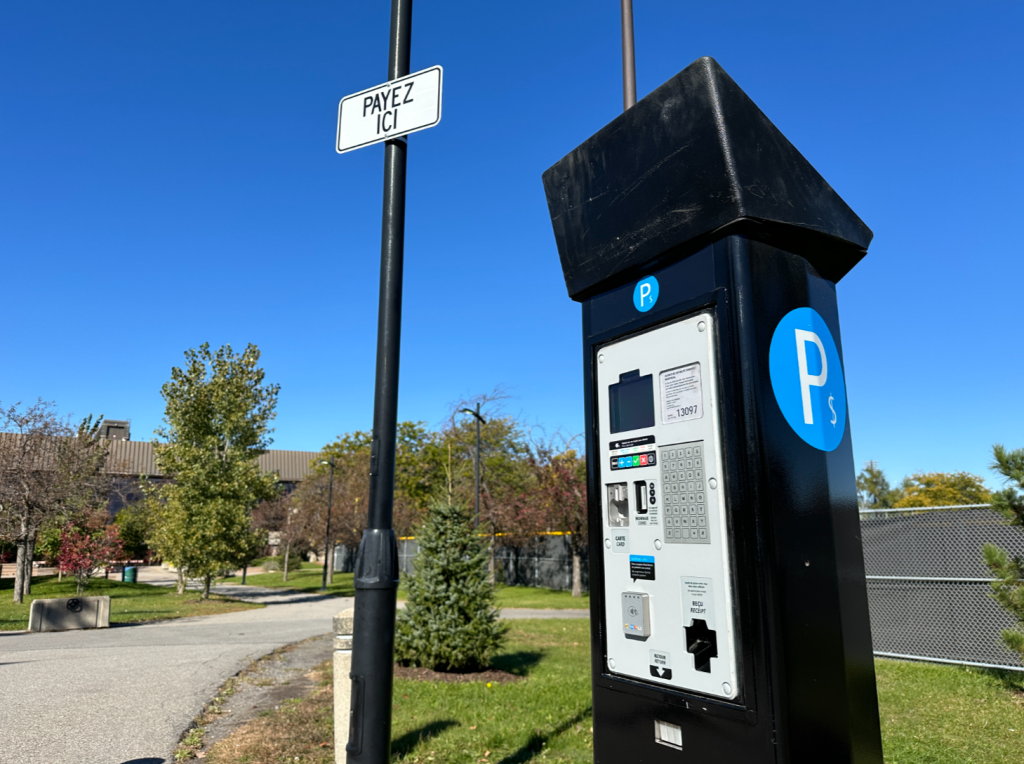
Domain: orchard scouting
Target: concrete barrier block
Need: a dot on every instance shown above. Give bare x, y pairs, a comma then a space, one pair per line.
69, 613
343, 621
342, 682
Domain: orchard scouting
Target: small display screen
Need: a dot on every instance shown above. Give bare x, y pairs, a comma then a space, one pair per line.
631, 402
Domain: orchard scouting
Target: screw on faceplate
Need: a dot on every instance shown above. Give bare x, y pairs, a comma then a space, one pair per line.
701, 326
600, 358
713, 483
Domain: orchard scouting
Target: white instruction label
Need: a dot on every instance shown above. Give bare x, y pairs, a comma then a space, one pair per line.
698, 596
681, 398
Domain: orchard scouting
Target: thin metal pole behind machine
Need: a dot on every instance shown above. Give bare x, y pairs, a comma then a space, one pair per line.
628, 57
476, 471
376, 574
328, 557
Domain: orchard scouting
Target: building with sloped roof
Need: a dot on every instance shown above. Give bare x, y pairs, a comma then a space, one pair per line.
137, 458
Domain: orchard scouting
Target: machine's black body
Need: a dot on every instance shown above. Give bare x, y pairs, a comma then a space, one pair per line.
695, 186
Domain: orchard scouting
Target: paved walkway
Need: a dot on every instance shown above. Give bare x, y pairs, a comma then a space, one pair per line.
124, 695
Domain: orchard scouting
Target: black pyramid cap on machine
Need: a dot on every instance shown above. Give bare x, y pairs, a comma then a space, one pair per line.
694, 161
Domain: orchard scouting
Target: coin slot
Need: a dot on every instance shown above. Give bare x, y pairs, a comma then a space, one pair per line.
640, 489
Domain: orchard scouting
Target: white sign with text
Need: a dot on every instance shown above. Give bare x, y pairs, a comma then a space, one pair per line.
396, 108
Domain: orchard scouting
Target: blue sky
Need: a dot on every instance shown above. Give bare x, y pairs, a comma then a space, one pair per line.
168, 177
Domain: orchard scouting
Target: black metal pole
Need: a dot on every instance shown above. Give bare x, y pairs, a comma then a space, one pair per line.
628, 57
476, 471
376, 575
327, 543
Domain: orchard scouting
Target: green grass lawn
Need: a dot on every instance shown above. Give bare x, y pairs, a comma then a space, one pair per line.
129, 603
547, 714
536, 597
937, 714
310, 577
931, 714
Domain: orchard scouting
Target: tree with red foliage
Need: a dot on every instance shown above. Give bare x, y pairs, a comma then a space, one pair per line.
557, 500
81, 553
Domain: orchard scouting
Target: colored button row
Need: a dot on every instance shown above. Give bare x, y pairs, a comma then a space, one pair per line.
640, 460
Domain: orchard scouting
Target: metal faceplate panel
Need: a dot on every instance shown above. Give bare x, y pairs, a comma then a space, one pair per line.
664, 518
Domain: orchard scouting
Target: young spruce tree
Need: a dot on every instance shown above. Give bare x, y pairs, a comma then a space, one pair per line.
450, 622
1008, 589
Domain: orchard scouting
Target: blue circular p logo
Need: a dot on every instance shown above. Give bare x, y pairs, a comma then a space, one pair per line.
645, 294
807, 378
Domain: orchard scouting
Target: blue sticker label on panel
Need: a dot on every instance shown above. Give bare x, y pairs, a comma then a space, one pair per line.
641, 566
645, 294
807, 378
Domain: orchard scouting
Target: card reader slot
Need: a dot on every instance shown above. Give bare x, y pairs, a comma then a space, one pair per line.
618, 505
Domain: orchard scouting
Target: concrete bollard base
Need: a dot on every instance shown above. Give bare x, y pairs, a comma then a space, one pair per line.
69, 613
342, 682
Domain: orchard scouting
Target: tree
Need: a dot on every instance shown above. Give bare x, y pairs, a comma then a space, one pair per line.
349, 497
418, 478
90, 521
558, 500
295, 534
873, 489
217, 423
942, 489
450, 622
1008, 589
281, 516
505, 468
48, 470
135, 526
81, 553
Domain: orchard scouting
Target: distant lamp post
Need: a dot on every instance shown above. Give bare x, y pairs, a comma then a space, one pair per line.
327, 543
476, 461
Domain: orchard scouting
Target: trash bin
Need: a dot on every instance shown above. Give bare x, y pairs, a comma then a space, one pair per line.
128, 575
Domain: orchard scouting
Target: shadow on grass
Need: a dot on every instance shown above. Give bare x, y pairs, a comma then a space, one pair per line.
535, 745
519, 663
408, 742
1010, 680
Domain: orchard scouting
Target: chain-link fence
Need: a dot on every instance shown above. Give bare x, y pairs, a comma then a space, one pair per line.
929, 590
547, 562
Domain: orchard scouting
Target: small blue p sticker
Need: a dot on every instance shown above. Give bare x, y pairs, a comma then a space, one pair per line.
645, 294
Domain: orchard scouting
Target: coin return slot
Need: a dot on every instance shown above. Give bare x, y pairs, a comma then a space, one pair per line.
702, 642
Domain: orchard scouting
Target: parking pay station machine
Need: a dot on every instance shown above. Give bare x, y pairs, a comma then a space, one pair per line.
729, 613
